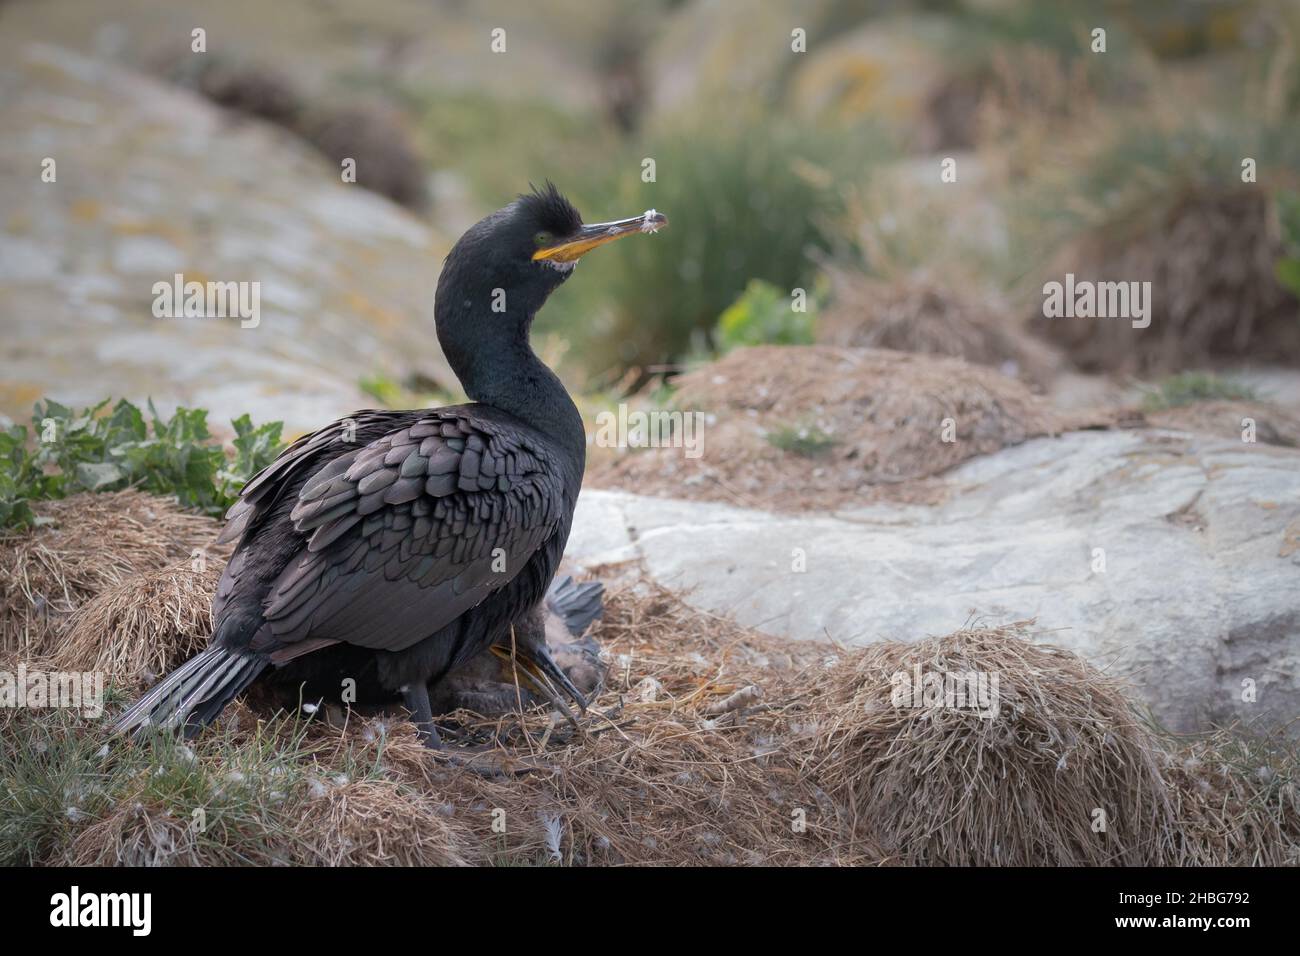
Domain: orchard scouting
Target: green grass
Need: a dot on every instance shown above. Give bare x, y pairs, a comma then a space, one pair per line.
60, 773
1287, 269
1188, 387
806, 441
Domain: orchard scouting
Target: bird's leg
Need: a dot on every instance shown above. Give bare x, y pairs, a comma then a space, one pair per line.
416, 699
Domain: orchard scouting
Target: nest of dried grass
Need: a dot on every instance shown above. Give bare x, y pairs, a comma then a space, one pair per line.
916, 314
711, 744
680, 764
818, 426
682, 761
1210, 258
816, 767
95, 542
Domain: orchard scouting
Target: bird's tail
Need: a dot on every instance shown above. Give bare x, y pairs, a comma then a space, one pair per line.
576, 604
191, 697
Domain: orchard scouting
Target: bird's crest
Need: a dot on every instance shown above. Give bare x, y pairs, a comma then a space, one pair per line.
550, 210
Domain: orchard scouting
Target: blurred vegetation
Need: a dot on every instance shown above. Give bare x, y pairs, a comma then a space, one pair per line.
102, 449
499, 144
1146, 163
765, 314
416, 392
807, 441
1288, 267
770, 164
1188, 387
745, 202
1067, 143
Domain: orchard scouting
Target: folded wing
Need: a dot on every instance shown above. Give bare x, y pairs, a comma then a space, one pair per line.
403, 534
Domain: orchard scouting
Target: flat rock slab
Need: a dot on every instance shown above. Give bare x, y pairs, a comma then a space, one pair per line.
1170, 558
153, 181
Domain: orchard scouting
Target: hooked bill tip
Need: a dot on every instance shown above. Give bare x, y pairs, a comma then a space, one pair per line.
653, 220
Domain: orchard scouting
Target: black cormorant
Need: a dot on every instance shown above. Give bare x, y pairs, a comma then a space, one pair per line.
406, 543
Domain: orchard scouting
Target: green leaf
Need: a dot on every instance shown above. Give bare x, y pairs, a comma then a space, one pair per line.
50, 409
98, 450
128, 421
98, 476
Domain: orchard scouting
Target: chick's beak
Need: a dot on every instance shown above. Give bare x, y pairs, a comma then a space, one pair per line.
571, 248
544, 677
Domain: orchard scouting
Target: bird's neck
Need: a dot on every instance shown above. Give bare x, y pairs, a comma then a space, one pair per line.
507, 375
525, 387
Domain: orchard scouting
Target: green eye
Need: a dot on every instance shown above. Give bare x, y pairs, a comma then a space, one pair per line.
542, 238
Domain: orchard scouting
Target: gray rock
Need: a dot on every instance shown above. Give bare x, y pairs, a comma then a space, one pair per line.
153, 181
1200, 537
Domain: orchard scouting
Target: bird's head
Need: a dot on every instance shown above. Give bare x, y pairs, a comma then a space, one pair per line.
495, 279
559, 238
508, 263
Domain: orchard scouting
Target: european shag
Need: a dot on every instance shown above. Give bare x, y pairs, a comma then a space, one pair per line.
403, 544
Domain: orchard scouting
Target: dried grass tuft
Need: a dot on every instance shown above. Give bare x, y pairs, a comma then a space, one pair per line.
944, 785
136, 834
95, 541
377, 823
880, 417
139, 628
1237, 799
915, 314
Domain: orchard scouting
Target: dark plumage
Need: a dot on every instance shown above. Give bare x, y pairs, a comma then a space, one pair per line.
393, 546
